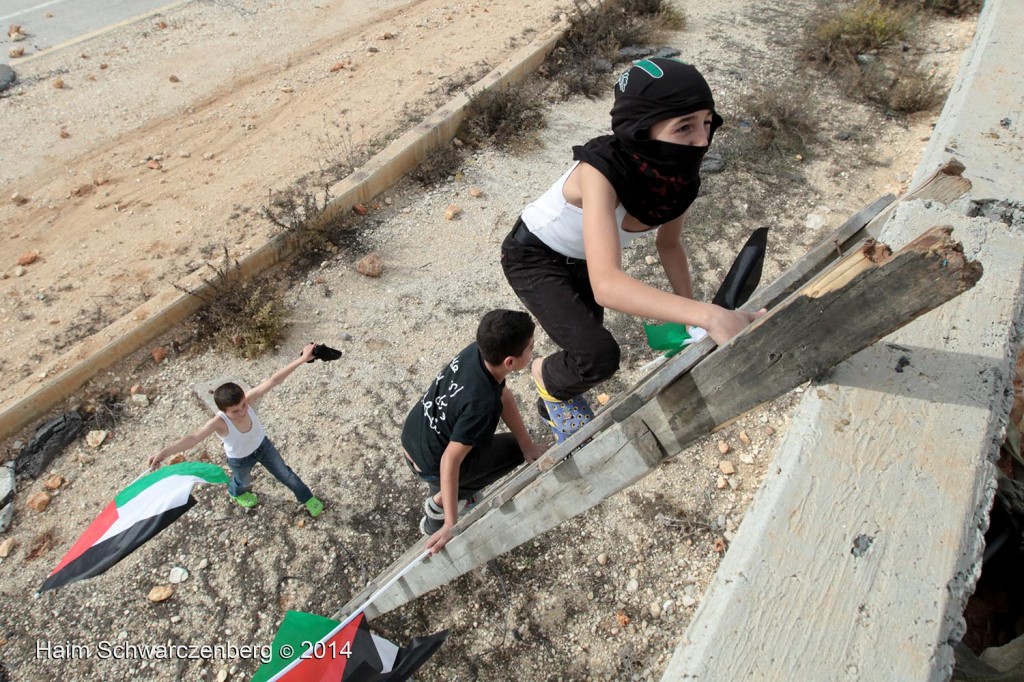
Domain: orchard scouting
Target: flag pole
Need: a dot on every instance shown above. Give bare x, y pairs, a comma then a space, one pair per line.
338, 628
394, 579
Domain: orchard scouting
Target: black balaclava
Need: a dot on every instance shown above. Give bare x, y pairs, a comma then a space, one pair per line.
655, 181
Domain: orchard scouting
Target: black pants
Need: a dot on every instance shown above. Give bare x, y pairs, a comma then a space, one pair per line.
481, 466
556, 290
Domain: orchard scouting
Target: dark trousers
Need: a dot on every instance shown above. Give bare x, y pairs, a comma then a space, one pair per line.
556, 290
481, 466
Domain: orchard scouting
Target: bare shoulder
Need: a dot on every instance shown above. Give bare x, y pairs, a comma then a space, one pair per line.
589, 181
215, 425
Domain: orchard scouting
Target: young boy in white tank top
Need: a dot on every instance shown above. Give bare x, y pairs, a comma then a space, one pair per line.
245, 441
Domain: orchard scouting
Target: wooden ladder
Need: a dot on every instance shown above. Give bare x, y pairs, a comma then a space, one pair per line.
839, 298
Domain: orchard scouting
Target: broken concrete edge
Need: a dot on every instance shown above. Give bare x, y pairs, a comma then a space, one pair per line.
164, 311
981, 122
789, 597
737, 609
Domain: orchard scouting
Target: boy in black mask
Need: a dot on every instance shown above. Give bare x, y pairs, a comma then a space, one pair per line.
563, 257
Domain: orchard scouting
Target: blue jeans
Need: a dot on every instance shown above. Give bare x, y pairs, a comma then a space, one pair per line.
267, 455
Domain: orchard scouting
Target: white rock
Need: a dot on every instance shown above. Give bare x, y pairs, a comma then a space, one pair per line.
203, 563
141, 399
177, 575
632, 585
688, 601
602, 558
96, 438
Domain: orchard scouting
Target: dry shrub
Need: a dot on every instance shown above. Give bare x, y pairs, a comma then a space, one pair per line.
904, 88
442, 163
505, 117
861, 46
950, 8
590, 47
852, 30
244, 316
780, 126
913, 89
299, 212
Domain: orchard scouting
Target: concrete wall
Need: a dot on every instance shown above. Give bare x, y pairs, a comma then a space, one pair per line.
863, 544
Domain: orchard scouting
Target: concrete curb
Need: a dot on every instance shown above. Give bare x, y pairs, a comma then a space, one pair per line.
168, 308
857, 557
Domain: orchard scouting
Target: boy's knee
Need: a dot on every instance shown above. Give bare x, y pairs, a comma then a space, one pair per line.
601, 360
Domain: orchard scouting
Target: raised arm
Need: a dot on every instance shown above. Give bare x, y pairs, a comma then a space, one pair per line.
182, 444
280, 375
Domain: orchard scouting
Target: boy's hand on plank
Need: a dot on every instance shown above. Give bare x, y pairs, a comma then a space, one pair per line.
725, 324
439, 539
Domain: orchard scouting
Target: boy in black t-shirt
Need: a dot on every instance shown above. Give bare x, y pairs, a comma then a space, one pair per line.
449, 437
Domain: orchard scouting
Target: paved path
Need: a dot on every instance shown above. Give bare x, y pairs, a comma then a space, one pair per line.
51, 24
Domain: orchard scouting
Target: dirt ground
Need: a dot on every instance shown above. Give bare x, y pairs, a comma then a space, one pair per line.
167, 136
606, 596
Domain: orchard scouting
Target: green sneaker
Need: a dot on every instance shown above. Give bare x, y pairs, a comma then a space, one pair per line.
314, 507
247, 500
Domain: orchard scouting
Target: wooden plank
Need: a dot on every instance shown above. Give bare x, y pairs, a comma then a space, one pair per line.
945, 185
616, 458
865, 296
814, 329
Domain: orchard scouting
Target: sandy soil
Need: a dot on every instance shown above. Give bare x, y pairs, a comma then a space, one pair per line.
549, 610
167, 136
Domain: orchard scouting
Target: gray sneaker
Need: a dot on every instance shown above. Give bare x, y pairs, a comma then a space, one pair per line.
430, 526
435, 512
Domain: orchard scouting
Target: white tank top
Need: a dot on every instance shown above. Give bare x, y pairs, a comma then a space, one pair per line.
238, 444
559, 224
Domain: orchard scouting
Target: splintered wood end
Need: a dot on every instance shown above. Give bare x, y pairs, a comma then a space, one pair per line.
876, 252
938, 243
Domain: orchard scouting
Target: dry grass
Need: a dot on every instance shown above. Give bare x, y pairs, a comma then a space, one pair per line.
442, 163
950, 8
587, 53
906, 89
244, 316
506, 117
867, 49
776, 125
851, 30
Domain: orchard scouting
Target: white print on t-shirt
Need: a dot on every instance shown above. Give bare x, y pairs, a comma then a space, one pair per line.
441, 401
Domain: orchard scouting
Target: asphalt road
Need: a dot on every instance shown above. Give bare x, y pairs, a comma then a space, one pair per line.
50, 24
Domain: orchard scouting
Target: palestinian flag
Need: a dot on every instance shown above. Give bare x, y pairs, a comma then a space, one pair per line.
139, 512
311, 648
